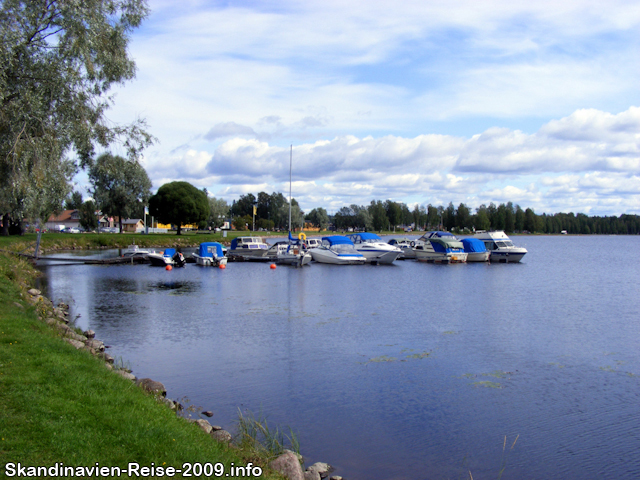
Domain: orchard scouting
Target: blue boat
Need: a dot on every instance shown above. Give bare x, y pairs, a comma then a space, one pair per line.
210, 254
476, 250
440, 247
337, 250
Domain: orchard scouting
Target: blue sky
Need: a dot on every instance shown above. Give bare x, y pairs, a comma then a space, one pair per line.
418, 101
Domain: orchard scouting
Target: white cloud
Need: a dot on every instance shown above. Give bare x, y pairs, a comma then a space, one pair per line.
519, 93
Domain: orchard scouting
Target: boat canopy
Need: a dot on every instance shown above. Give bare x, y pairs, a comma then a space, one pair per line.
169, 252
444, 245
363, 237
442, 235
472, 245
210, 249
337, 240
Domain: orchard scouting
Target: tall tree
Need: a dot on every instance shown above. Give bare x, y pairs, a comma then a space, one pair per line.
119, 185
394, 213
463, 218
74, 201
318, 217
59, 59
88, 218
218, 212
482, 221
179, 203
244, 205
433, 216
379, 219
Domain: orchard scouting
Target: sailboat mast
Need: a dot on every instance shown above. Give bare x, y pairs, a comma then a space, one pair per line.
290, 168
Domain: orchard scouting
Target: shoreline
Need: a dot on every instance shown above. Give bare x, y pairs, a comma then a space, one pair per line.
56, 320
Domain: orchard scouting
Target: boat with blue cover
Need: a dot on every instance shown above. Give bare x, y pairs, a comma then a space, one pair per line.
476, 250
210, 254
440, 247
337, 250
374, 249
168, 257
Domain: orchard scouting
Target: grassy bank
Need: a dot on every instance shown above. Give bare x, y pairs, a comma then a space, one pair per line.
83, 241
59, 404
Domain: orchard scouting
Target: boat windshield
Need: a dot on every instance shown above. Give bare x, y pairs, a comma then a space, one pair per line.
504, 243
344, 249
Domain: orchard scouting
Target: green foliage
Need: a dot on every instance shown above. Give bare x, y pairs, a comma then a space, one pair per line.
62, 404
379, 219
254, 433
179, 203
218, 212
119, 185
74, 201
88, 218
59, 60
318, 217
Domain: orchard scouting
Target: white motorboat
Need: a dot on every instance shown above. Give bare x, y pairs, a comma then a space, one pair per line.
210, 254
374, 249
406, 245
440, 247
337, 250
476, 250
134, 251
168, 257
247, 248
501, 247
313, 243
289, 253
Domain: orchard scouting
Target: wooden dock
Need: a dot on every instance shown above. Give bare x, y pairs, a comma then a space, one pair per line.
86, 261
94, 261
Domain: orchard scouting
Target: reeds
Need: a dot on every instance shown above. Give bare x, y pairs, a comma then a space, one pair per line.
254, 433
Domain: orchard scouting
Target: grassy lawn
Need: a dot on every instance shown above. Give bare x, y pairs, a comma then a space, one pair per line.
59, 404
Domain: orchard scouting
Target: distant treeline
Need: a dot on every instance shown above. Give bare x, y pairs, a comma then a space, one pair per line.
272, 211
385, 215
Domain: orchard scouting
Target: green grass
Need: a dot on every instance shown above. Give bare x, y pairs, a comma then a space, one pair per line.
59, 404
85, 241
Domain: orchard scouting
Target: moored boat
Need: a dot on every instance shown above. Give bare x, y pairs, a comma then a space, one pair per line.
501, 247
406, 245
440, 247
247, 248
337, 250
374, 249
289, 253
210, 254
168, 257
313, 243
476, 250
134, 251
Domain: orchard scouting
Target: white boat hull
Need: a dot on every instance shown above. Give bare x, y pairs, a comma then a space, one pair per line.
248, 254
323, 255
298, 260
435, 257
210, 261
478, 256
375, 255
510, 255
159, 260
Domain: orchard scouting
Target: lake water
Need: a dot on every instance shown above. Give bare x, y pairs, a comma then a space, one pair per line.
408, 371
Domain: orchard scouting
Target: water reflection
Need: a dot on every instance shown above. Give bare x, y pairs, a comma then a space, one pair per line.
415, 371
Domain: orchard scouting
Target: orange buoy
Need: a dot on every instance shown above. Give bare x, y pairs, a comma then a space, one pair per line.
168, 267
222, 266
273, 266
